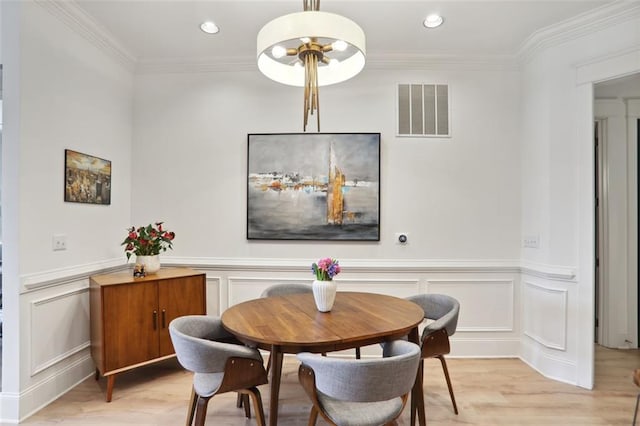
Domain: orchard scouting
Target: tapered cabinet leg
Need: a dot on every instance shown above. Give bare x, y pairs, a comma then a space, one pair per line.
110, 381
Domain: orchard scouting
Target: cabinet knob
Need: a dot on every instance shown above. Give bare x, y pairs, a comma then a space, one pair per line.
164, 318
155, 320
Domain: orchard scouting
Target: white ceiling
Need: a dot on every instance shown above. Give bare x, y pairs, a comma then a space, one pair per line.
168, 30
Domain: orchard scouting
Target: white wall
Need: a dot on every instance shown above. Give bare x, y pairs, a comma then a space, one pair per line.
558, 141
61, 92
457, 198
517, 164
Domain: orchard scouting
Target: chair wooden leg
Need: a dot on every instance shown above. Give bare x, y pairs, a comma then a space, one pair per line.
201, 411
257, 405
268, 365
191, 410
635, 413
313, 416
357, 353
446, 375
247, 406
414, 404
239, 400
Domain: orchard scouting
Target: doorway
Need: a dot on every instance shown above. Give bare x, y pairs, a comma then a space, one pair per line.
616, 159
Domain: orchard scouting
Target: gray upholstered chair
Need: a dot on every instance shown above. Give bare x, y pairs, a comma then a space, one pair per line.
356, 392
202, 346
444, 311
285, 289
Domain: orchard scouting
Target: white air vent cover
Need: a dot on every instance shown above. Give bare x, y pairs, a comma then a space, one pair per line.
423, 110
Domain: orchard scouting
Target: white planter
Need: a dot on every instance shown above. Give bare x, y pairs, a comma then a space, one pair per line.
151, 263
324, 293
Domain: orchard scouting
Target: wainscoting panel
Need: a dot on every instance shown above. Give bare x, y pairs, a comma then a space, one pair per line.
392, 287
212, 285
241, 289
545, 315
55, 333
59, 328
486, 305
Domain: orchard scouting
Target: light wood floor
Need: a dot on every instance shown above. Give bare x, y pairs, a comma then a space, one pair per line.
489, 392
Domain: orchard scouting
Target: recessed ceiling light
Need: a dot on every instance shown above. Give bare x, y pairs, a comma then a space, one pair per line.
209, 27
433, 21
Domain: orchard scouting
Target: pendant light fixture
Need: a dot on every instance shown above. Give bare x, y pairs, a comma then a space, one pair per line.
311, 49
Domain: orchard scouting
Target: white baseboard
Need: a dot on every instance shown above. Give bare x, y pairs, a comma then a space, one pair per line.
46, 391
545, 363
9, 403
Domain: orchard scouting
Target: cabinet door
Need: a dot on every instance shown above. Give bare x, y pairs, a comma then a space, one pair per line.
130, 327
178, 297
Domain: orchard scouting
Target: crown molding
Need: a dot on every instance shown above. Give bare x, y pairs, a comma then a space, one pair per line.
575, 27
600, 18
84, 25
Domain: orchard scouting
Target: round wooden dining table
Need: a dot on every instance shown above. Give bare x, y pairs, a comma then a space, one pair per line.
292, 324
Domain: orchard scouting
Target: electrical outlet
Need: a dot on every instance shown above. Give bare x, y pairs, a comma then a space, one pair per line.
402, 238
531, 241
59, 242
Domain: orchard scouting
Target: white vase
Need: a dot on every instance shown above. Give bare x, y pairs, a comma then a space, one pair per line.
324, 293
151, 263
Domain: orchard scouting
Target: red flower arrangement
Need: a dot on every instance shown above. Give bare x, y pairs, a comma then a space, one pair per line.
148, 240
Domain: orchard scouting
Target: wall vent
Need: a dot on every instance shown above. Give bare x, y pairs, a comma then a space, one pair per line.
423, 110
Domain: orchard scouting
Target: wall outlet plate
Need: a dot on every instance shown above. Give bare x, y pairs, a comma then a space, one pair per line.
59, 242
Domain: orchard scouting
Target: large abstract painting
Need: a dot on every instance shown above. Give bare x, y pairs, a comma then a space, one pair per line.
87, 179
321, 186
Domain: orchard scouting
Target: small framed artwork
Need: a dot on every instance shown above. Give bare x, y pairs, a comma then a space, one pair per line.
313, 186
87, 179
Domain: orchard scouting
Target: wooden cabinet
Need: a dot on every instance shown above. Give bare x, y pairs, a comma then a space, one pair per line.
130, 317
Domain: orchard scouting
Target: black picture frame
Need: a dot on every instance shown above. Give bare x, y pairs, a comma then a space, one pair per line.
87, 179
313, 186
